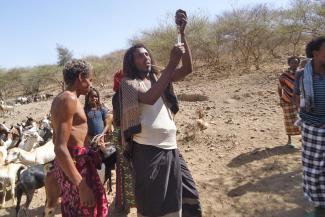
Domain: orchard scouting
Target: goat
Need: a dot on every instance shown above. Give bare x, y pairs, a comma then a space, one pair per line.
8, 175
4, 131
22, 100
40, 155
30, 141
30, 125
5, 145
4, 128
29, 180
45, 130
6, 108
52, 194
108, 161
45, 123
52, 187
42, 96
3, 155
48, 95
46, 134
53, 190
13, 139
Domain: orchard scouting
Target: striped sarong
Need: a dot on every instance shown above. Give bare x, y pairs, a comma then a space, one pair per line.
313, 161
287, 82
290, 116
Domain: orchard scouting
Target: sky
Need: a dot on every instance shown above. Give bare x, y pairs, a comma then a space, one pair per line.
31, 29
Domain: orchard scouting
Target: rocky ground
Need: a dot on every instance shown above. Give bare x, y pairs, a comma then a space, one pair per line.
240, 163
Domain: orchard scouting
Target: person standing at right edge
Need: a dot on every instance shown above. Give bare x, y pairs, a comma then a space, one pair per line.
310, 86
163, 184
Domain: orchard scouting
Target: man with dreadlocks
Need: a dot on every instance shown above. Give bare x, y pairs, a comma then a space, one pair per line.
163, 184
285, 89
82, 193
311, 88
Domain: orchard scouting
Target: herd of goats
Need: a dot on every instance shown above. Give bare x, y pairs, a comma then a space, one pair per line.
10, 107
26, 157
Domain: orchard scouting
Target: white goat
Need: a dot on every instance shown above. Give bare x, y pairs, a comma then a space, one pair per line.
12, 139
30, 141
8, 175
45, 123
22, 100
30, 128
3, 155
40, 155
4, 127
4, 108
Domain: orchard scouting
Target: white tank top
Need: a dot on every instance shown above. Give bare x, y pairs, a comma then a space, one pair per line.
157, 125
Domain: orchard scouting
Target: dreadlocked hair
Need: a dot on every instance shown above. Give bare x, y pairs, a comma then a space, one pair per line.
129, 68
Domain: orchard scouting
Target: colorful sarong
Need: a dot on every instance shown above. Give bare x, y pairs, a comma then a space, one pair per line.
86, 161
313, 161
290, 116
124, 181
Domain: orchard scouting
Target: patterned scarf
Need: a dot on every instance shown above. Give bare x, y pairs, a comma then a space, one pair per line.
129, 104
306, 87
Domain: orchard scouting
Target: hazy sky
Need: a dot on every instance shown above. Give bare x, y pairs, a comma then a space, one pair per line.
30, 29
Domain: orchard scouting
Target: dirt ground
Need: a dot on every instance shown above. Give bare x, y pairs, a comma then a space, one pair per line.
240, 163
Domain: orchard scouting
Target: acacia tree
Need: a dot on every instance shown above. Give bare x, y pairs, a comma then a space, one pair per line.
64, 54
250, 32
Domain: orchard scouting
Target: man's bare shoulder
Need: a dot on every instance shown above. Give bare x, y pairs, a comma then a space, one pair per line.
64, 102
65, 96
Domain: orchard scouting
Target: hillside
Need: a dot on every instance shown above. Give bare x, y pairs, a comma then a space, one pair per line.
240, 163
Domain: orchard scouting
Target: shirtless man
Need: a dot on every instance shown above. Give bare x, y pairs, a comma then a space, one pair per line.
82, 194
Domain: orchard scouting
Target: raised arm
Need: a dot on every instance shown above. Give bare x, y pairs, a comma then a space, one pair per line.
186, 68
157, 89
